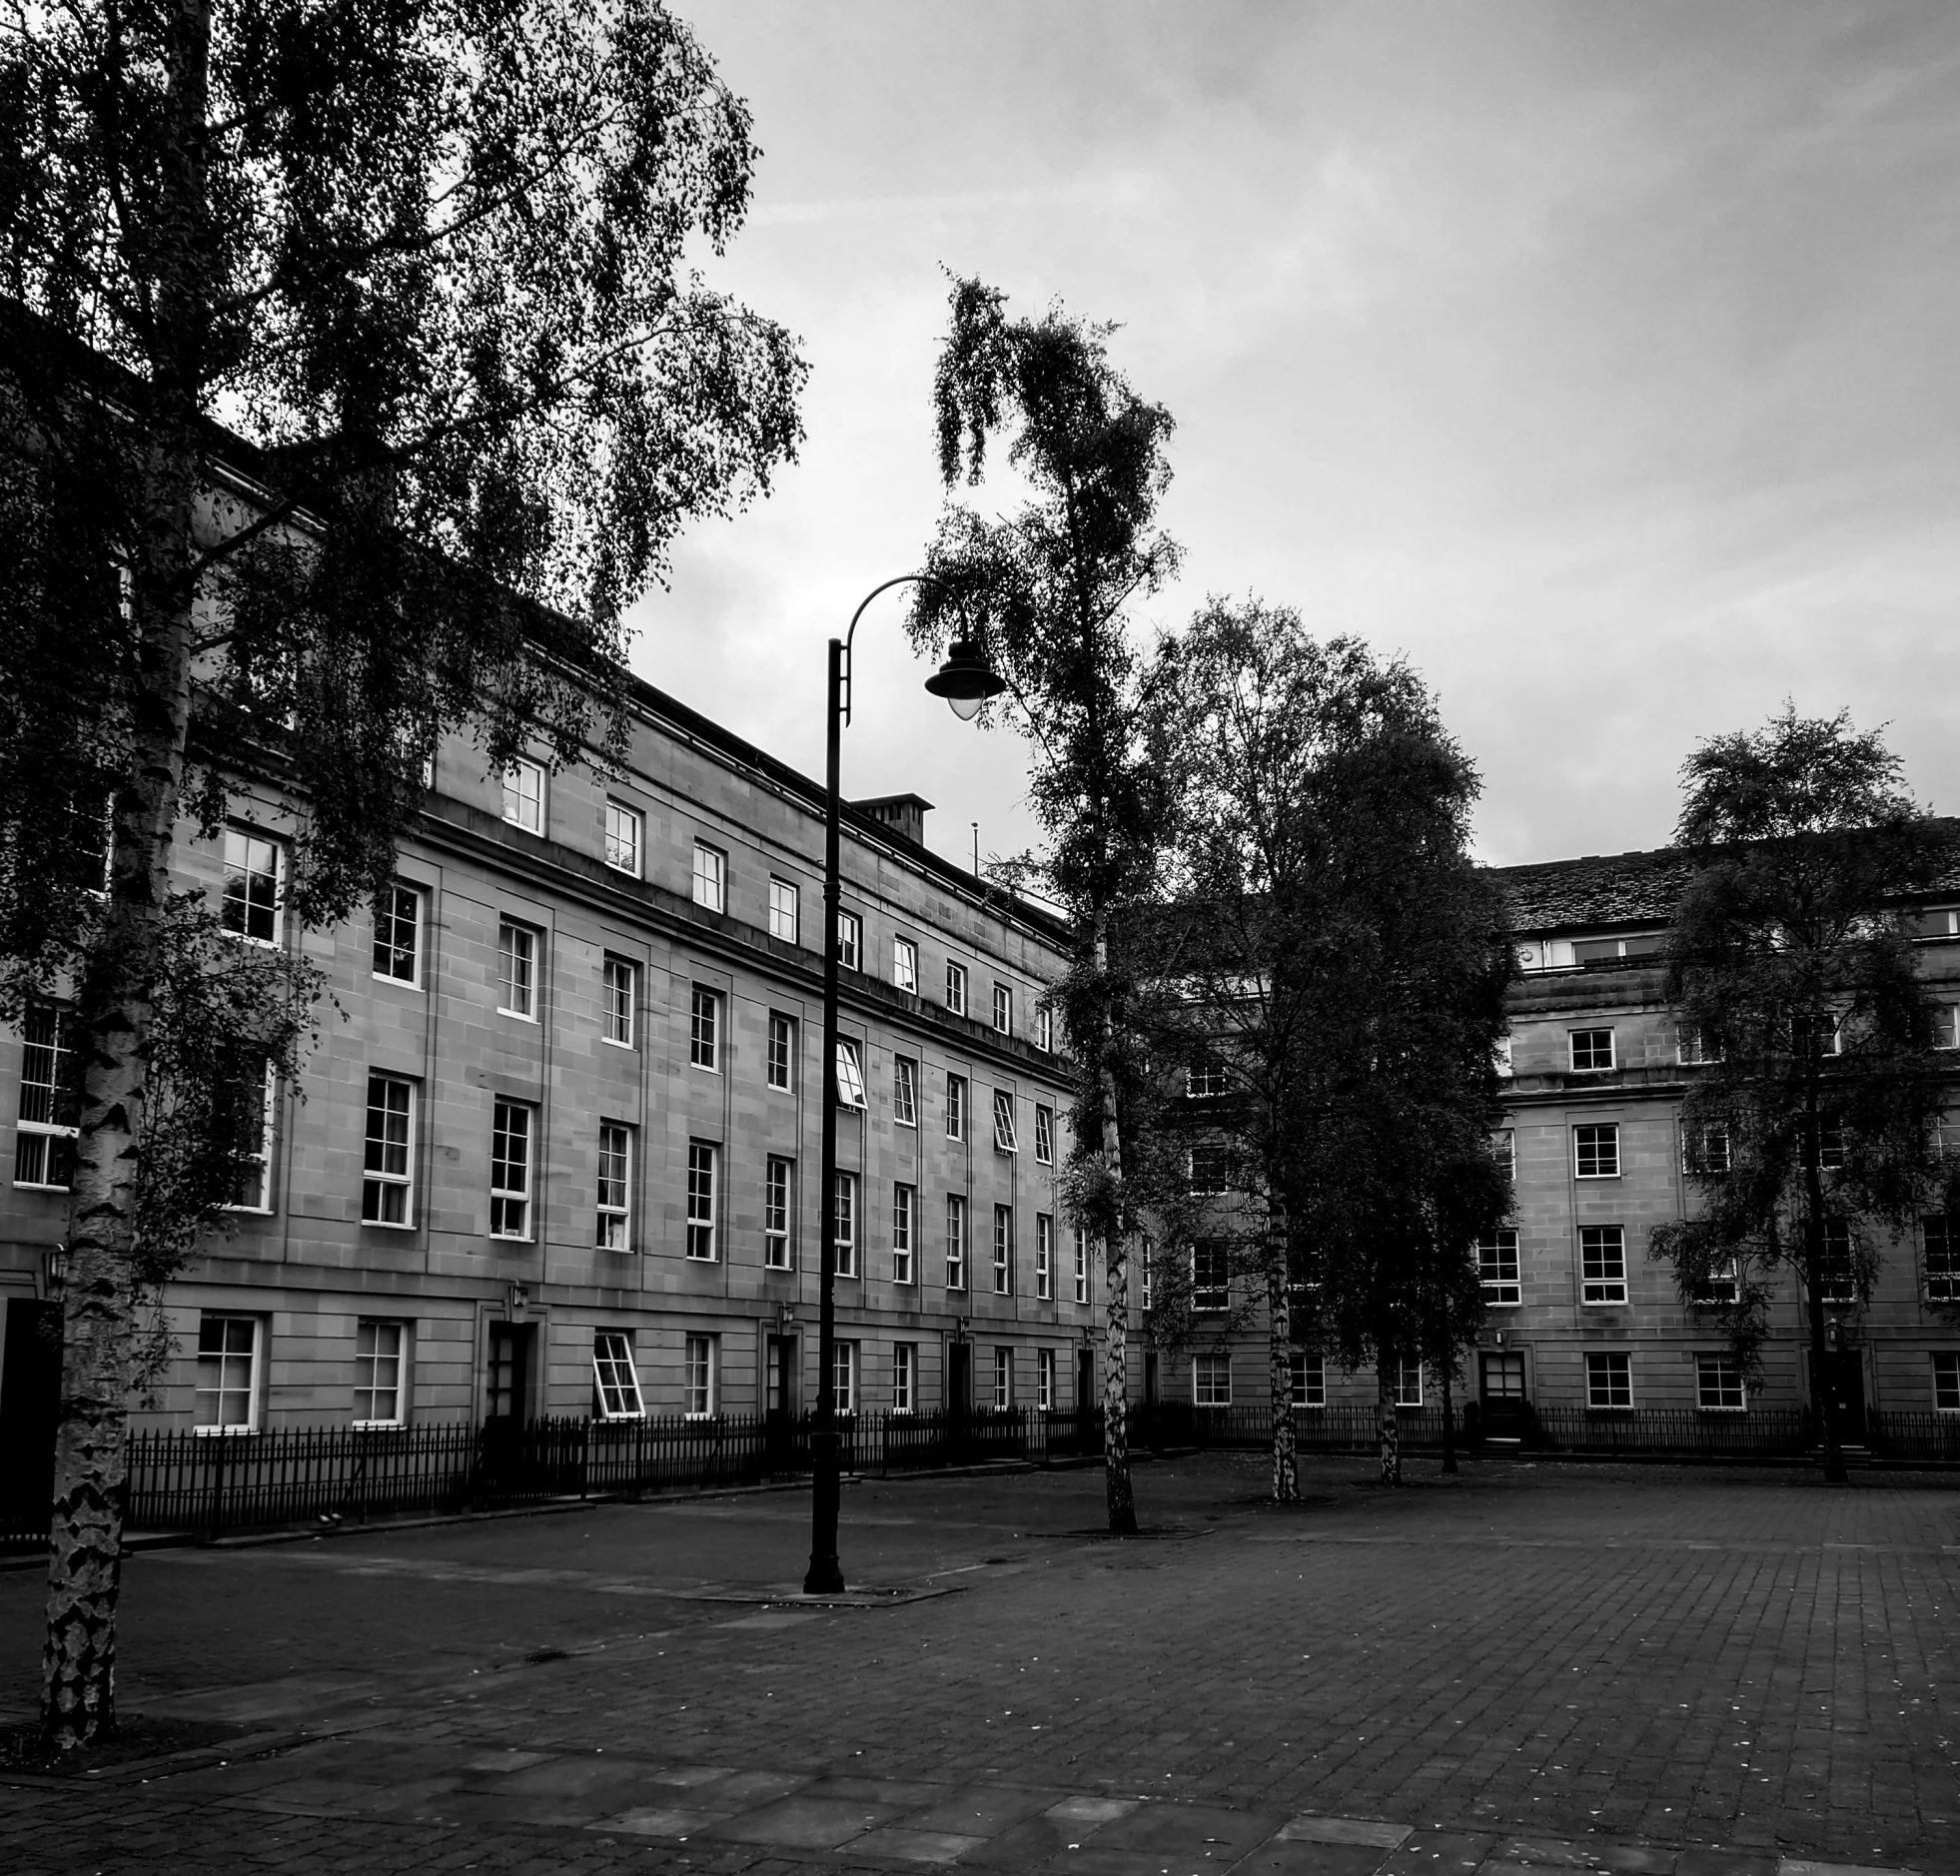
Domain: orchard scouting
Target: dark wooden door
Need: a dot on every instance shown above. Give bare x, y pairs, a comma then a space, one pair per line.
1502, 1383
30, 1405
1844, 1378
779, 1357
1085, 1377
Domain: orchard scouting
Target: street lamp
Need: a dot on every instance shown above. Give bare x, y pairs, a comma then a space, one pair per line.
966, 683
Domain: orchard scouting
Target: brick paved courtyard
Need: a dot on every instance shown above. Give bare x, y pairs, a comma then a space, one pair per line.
1684, 1672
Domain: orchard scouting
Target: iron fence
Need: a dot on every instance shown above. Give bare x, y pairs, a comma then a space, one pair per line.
1673, 1432
1913, 1437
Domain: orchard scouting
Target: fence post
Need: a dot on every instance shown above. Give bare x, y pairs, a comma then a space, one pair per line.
216, 1528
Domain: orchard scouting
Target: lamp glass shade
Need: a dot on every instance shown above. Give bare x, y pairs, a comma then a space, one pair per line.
965, 680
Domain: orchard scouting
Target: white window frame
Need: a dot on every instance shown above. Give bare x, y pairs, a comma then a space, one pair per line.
516, 969
616, 1379
388, 927
1503, 1148
956, 1105
228, 1388
1081, 1263
1210, 1250
373, 1360
1003, 1378
1044, 1036
619, 1001
1005, 1139
710, 886
1045, 1379
1605, 1133
780, 1069
845, 1223
1946, 1380
845, 1369
904, 1233
1212, 1164
1497, 1270
905, 965
700, 1377
613, 1197
955, 987
523, 795
1720, 1287
850, 1074
1602, 1288
1406, 1396
1839, 1230
1003, 1241
704, 1029
1691, 1048
1044, 1148
1043, 1257
1943, 1284
1308, 1389
785, 909
850, 941
48, 1140
956, 1241
703, 1182
249, 910
1725, 1373
1946, 1026
1590, 1067
1003, 1009
904, 1376
512, 1201
1500, 1057
1211, 1380
1603, 1367
625, 838
904, 1092
260, 1159
778, 1210
388, 1159
1204, 1080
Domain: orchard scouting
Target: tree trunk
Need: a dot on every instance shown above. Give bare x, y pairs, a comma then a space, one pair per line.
1813, 1283
1121, 1504
1449, 1418
1388, 1371
115, 994
1278, 1380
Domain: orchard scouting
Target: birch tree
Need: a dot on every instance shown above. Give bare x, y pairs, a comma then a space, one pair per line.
356, 377
1055, 588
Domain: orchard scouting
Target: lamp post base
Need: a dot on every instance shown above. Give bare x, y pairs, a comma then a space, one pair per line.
825, 1576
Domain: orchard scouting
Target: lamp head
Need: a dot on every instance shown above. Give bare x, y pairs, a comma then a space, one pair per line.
965, 680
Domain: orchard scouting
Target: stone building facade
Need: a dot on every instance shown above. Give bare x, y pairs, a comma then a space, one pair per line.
557, 1149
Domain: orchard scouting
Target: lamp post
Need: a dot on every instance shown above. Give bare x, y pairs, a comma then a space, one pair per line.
966, 683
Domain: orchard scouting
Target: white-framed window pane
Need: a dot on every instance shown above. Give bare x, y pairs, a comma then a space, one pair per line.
1946, 1380
624, 837
1148, 1272
523, 796
1503, 1148
380, 1355
1204, 1080
704, 1029
1595, 1150
955, 1242
1839, 1273
1603, 1263
1044, 1136
710, 878
387, 1195
615, 1184
1003, 1378
785, 911
850, 941
850, 1074
956, 988
1496, 1265
253, 871
615, 1382
905, 964
778, 1206
1003, 1250
1592, 1049
1409, 1383
1080, 1265
702, 1380
50, 1102
781, 1068
904, 1091
1309, 1381
510, 1125
1211, 1380
904, 1376
227, 1391
1004, 1139
1044, 1257
1210, 1282
955, 1106
397, 935
704, 1158
1045, 1030
1045, 1379
843, 1224
1003, 1010
1608, 1380
904, 1207
619, 997
1211, 1170
844, 1377
1718, 1385
1942, 1262
250, 1092
517, 970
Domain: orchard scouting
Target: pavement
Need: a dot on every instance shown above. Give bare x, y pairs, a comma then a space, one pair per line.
1684, 1672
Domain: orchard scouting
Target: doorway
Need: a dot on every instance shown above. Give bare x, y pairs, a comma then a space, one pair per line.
1506, 1415
508, 1394
1085, 1378
1843, 1379
30, 1406
780, 1401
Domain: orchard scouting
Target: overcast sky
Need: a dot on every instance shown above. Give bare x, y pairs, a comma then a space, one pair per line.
1601, 360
